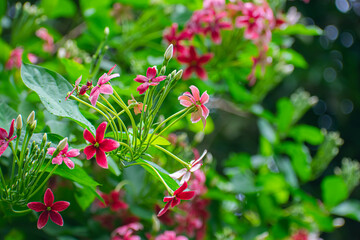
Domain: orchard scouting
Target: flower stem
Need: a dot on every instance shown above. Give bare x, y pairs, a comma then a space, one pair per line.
43, 183
173, 156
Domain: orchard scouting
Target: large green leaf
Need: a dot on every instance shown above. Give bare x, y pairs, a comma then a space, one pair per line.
334, 190
156, 170
306, 133
52, 89
6, 115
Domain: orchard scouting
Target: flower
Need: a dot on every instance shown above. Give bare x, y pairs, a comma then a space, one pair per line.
174, 200
99, 145
49, 208
125, 232
101, 87
85, 87
6, 138
138, 106
170, 235
184, 173
64, 156
77, 83
175, 39
149, 80
49, 40
215, 24
14, 59
194, 63
112, 200
194, 99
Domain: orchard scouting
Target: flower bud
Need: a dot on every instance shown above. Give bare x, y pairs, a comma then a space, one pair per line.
31, 118
62, 144
44, 139
163, 70
106, 31
178, 75
173, 74
33, 125
169, 52
18, 122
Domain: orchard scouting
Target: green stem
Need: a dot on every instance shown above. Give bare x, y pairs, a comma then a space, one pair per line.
20, 211
43, 183
173, 156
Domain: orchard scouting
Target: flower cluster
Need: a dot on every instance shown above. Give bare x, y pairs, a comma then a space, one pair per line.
48, 39
15, 58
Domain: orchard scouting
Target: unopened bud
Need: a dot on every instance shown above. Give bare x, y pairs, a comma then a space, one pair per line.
62, 144
44, 139
18, 122
106, 31
163, 70
173, 74
31, 118
178, 75
169, 52
33, 125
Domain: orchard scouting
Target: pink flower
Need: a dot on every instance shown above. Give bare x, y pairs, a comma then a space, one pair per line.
215, 24
198, 183
6, 138
149, 80
174, 200
125, 232
49, 40
32, 57
185, 173
49, 208
300, 235
194, 99
14, 59
99, 145
216, 4
138, 106
195, 63
175, 39
170, 235
113, 201
101, 87
77, 83
64, 156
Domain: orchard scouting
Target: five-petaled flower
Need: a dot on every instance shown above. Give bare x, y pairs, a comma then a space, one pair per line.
99, 145
175, 39
174, 200
64, 156
215, 24
113, 201
194, 99
102, 87
138, 106
149, 80
6, 138
49, 208
194, 63
77, 83
185, 173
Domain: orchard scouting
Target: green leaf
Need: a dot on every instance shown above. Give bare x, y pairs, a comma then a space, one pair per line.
334, 190
77, 175
113, 167
58, 8
301, 30
84, 196
292, 57
52, 89
267, 131
75, 69
306, 133
349, 208
155, 170
285, 111
159, 140
7, 114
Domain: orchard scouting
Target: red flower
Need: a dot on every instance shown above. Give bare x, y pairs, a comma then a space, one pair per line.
149, 80
49, 208
194, 63
77, 83
6, 138
99, 145
49, 40
215, 24
175, 39
85, 87
64, 156
112, 200
174, 200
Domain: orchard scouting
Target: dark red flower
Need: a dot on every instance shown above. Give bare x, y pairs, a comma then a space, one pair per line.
85, 87
76, 87
113, 201
174, 38
49, 208
174, 200
195, 63
215, 23
6, 138
99, 145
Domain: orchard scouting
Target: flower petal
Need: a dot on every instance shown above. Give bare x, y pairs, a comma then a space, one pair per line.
164, 210
204, 98
108, 145
186, 195
159, 79
89, 137
151, 72
100, 132
11, 130
73, 153
56, 218
141, 79
201, 73
3, 134
69, 163
89, 151
175, 201
195, 92
181, 188
106, 89
3, 146
142, 88
48, 198
101, 158
57, 160
43, 219
178, 174
185, 101
187, 72
186, 177
36, 206
196, 116
111, 69
60, 206
205, 111
205, 58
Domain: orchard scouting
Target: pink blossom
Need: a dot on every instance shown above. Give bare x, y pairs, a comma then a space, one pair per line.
113, 201
215, 4
49, 40
14, 59
175, 39
252, 20
138, 106
125, 232
174, 200
185, 173
215, 23
149, 80
77, 83
194, 99
102, 87
64, 155
49, 208
198, 183
170, 235
32, 58
99, 145
6, 138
